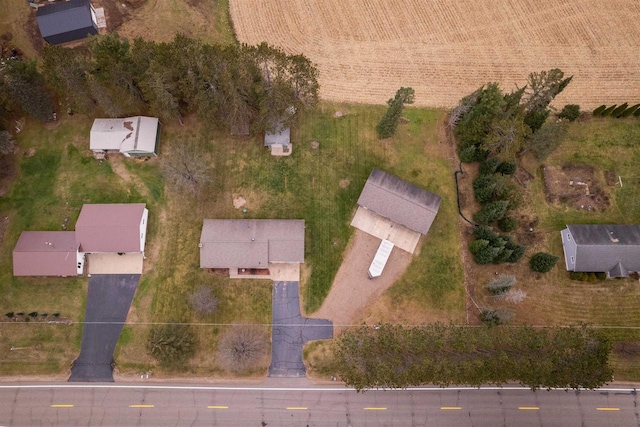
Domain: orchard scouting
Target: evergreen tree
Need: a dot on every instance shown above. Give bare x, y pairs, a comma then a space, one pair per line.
26, 86
388, 124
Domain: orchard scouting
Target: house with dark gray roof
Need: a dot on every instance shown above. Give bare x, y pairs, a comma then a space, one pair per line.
251, 247
606, 248
67, 21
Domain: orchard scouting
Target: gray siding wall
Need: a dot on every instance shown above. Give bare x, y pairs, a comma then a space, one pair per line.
570, 249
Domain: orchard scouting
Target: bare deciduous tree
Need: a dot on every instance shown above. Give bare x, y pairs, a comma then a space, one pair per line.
187, 168
242, 347
203, 301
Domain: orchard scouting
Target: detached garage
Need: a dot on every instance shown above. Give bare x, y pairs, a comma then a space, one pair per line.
67, 21
132, 136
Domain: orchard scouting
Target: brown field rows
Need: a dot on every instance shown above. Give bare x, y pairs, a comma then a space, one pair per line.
366, 49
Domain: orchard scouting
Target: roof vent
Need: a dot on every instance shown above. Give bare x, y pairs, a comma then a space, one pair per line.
613, 238
199, 245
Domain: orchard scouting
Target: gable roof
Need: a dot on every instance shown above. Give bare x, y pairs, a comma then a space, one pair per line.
110, 227
254, 243
65, 21
45, 253
607, 247
130, 134
399, 201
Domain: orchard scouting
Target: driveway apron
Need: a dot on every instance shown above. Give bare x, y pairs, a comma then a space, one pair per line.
108, 302
291, 331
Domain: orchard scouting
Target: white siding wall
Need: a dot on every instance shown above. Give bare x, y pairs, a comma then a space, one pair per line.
143, 229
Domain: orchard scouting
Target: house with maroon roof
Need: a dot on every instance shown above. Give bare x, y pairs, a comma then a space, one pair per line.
109, 237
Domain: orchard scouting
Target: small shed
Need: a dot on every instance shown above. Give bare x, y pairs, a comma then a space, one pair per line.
47, 253
63, 22
132, 136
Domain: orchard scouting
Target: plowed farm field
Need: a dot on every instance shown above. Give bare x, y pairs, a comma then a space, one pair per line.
444, 49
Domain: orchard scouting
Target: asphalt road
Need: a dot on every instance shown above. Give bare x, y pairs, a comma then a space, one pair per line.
162, 405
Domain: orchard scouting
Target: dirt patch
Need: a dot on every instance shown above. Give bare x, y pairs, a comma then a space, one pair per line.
344, 183
575, 186
352, 291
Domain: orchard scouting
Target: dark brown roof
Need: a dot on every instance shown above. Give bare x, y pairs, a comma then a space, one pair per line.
110, 227
230, 243
399, 201
45, 253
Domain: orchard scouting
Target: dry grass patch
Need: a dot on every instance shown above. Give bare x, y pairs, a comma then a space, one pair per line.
366, 49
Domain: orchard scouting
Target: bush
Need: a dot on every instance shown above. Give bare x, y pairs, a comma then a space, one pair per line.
483, 188
576, 275
489, 166
507, 224
543, 262
506, 168
500, 316
501, 285
9, 314
491, 212
33, 314
242, 347
601, 276
203, 301
598, 111
171, 344
472, 154
570, 112
535, 119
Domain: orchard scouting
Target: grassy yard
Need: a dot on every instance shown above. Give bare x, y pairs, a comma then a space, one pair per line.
552, 298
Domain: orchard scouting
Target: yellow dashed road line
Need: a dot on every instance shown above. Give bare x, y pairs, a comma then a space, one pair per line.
528, 408
217, 407
608, 409
450, 408
141, 406
62, 405
297, 408
375, 409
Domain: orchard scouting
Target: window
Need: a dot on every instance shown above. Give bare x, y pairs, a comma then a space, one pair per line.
573, 261
568, 236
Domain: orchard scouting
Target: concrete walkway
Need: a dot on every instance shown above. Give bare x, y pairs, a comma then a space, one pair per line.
291, 331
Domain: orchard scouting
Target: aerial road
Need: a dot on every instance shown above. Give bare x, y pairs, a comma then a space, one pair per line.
161, 404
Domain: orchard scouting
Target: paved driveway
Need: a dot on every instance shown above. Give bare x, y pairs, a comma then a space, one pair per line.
291, 331
108, 302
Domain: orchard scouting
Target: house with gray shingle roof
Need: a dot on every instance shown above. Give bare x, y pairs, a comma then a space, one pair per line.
251, 247
608, 248
67, 21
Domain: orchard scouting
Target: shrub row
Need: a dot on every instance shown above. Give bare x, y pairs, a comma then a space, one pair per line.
617, 111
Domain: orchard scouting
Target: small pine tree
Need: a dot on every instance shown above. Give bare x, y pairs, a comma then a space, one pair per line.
171, 344
491, 212
517, 252
629, 111
483, 188
489, 166
506, 168
619, 110
608, 110
501, 285
543, 262
482, 251
388, 124
598, 111
472, 154
507, 224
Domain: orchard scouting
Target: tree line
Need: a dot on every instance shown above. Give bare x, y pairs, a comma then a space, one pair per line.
395, 356
239, 88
